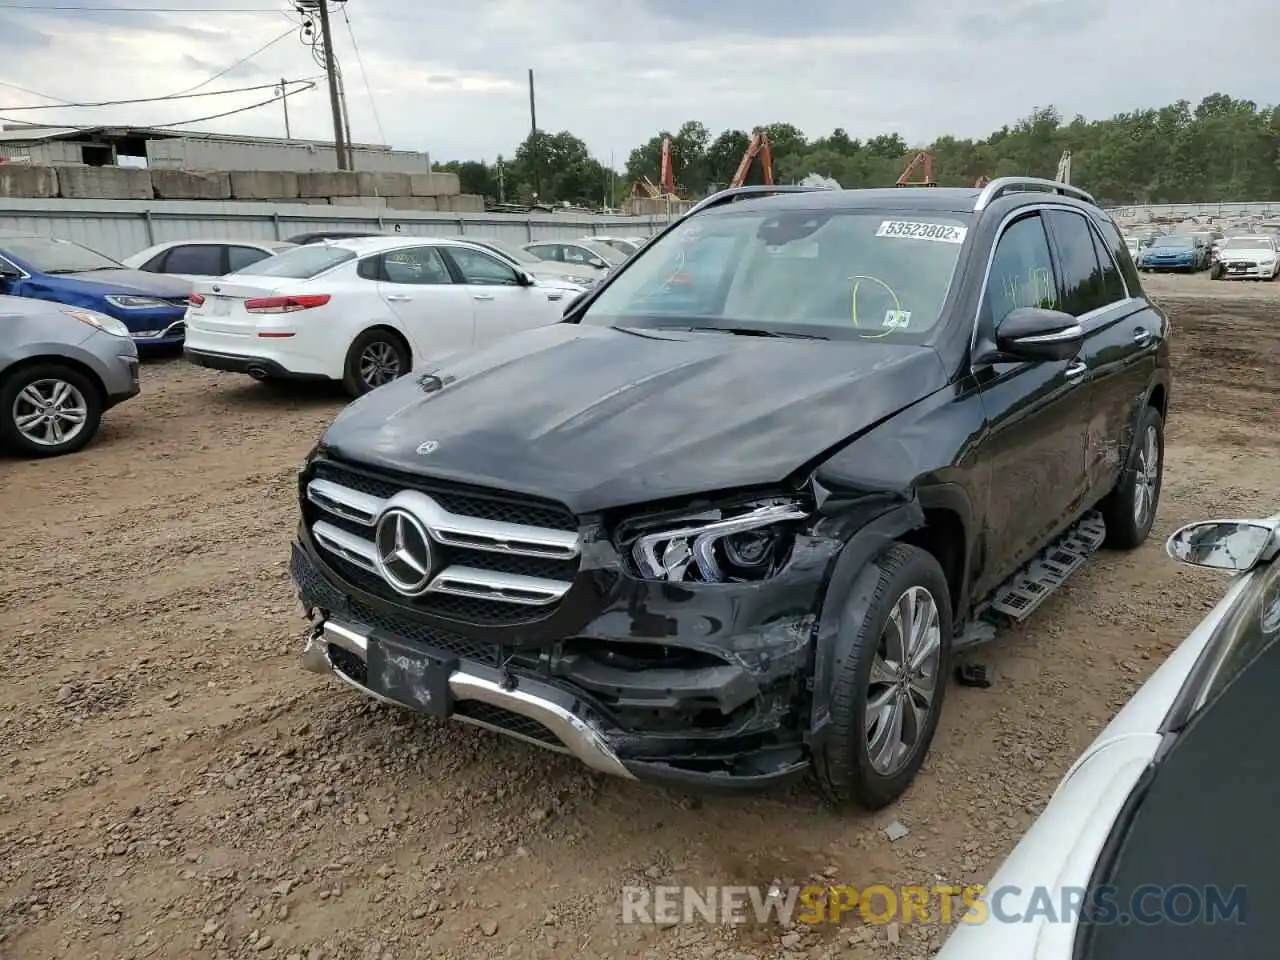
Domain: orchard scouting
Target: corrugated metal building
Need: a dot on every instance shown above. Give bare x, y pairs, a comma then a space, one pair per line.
105, 146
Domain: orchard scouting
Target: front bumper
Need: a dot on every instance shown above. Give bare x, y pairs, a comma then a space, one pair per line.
1229, 270
169, 333
735, 720
1169, 265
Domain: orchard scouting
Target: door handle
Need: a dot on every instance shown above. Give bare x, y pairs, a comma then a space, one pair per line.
555, 296
399, 297
483, 296
1077, 369
1142, 336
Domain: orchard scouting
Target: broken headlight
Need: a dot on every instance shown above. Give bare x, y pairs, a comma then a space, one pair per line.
723, 545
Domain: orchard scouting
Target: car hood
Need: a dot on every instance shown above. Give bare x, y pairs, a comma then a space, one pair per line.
597, 418
128, 283
1249, 253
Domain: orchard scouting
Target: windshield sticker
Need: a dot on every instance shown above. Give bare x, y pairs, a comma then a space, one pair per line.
893, 319
910, 230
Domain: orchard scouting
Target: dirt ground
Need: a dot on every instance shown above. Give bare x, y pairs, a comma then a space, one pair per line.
172, 784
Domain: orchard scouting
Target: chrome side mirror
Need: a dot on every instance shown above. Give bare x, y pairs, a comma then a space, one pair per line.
1235, 545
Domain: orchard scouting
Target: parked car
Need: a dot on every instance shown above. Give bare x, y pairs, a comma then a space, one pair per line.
152, 307
320, 236
363, 311
1175, 251
61, 368
192, 259
1167, 818
599, 258
1248, 258
550, 271
729, 531
1135, 246
623, 245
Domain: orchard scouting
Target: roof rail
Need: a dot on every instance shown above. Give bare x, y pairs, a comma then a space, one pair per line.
1001, 185
735, 193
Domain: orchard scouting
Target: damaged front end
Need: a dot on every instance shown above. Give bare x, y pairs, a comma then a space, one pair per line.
682, 650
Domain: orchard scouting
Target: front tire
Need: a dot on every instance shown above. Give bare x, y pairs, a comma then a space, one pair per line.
887, 695
1130, 509
376, 358
48, 410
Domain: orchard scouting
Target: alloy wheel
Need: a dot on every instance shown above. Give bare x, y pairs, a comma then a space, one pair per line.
1147, 476
379, 364
50, 412
904, 681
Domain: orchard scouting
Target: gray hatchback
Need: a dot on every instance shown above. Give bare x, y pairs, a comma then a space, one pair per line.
61, 368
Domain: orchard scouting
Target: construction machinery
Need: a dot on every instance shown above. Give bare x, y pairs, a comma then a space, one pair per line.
1064, 168
982, 181
666, 186
922, 161
758, 147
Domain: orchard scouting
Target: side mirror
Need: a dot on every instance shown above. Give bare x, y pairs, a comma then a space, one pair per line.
573, 304
599, 263
525, 279
9, 275
1033, 333
1235, 545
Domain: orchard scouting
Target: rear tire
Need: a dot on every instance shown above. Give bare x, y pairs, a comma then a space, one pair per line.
869, 765
376, 358
1130, 508
48, 410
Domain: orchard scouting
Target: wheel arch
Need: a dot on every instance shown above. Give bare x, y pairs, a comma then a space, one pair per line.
383, 326
58, 359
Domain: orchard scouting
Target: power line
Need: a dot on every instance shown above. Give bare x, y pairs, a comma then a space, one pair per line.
63, 104
245, 59
69, 8
183, 123
364, 75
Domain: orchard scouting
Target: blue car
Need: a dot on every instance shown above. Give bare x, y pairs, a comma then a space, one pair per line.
152, 306
1175, 252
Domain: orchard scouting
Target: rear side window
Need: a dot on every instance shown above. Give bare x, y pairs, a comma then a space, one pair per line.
301, 263
1120, 252
200, 259
240, 257
1112, 282
1081, 281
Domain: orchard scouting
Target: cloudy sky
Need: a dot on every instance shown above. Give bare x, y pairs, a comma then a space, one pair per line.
450, 77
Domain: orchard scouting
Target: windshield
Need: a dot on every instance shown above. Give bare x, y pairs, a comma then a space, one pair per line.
833, 274
516, 253
300, 263
603, 251
1248, 243
1180, 243
47, 255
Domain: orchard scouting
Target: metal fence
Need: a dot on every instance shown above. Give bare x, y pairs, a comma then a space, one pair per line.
120, 228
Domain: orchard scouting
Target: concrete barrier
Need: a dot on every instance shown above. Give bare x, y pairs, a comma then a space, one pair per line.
321, 184
185, 185
264, 185
37, 183
104, 183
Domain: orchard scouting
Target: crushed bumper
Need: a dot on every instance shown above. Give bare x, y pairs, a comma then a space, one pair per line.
739, 722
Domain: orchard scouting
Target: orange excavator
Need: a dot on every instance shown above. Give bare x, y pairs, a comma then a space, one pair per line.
645, 187
758, 147
924, 160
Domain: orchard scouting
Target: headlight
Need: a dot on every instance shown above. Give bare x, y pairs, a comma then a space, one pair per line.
747, 542
1266, 261
100, 320
580, 281
127, 302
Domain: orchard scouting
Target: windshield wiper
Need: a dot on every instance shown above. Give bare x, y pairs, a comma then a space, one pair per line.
755, 332
55, 273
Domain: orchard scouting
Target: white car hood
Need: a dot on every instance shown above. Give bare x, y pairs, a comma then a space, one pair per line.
1252, 254
1059, 852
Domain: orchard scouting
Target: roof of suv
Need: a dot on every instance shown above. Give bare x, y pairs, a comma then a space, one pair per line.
941, 199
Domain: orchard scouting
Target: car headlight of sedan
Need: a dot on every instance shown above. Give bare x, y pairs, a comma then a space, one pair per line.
721, 545
130, 302
99, 320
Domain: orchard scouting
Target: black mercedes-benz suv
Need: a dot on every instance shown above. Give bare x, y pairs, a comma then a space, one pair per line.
730, 519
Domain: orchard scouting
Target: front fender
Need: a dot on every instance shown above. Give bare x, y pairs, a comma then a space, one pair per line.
844, 607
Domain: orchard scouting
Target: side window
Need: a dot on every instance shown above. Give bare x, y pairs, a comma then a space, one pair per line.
200, 259
240, 257
1021, 272
156, 263
370, 268
1081, 286
417, 265
481, 269
1112, 283
1120, 252
578, 255
548, 251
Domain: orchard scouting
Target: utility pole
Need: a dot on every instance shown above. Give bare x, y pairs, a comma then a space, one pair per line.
533, 139
335, 99
346, 122
284, 102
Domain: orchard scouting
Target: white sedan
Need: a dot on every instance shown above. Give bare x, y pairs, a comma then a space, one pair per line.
197, 259
1161, 840
364, 310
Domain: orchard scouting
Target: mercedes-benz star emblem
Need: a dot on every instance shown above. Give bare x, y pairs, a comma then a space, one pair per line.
427, 447
404, 552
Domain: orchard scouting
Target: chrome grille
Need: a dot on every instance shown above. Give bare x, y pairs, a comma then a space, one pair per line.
490, 565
